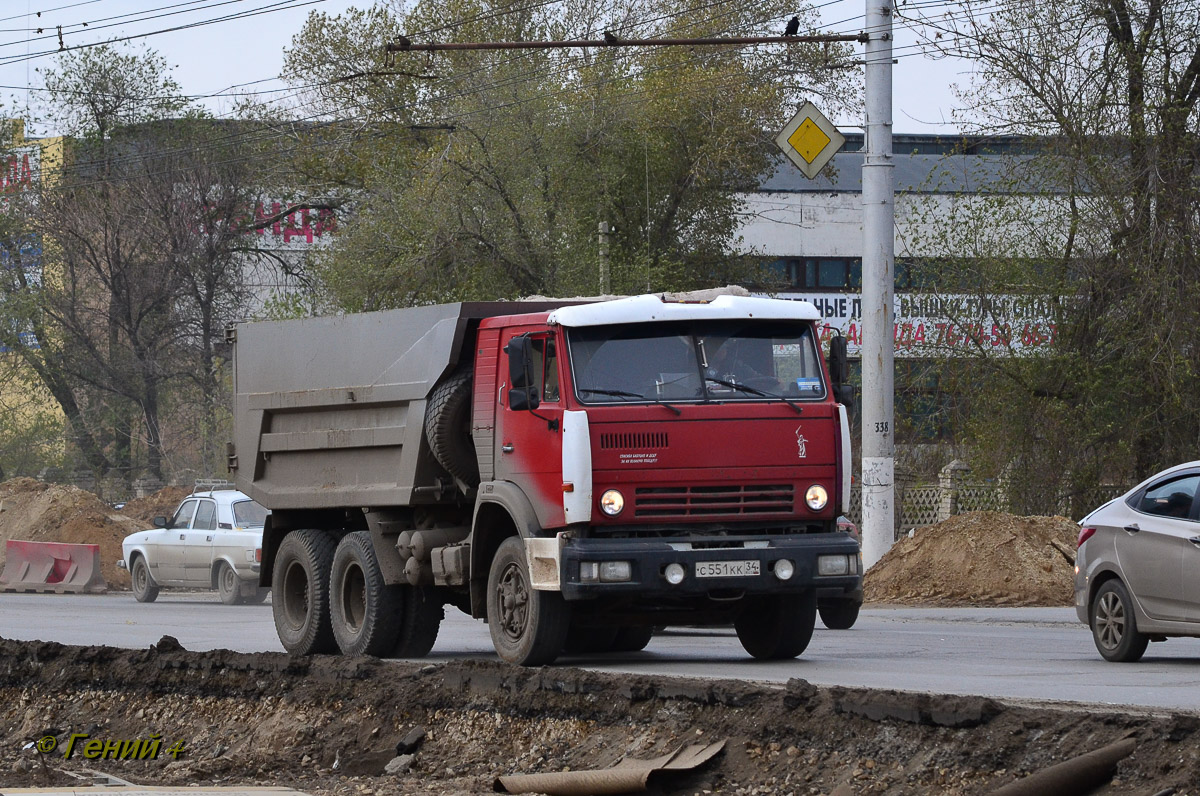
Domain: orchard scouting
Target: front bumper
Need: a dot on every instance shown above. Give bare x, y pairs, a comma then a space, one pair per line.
648, 560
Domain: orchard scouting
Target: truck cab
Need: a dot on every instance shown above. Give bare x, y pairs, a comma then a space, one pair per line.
685, 463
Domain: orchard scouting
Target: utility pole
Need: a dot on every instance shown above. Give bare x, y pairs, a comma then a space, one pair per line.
605, 280
878, 291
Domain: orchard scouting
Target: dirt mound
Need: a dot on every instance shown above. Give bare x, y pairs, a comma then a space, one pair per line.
979, 558
43, 512
329, 725
161, 504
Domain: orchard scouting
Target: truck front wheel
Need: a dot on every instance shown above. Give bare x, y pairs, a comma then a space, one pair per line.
301, 584
365, 612
777, 627
528, 627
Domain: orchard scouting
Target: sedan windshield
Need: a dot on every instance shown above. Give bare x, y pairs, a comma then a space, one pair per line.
696, 361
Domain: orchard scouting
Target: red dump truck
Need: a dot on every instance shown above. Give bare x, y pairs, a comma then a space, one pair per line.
575, 473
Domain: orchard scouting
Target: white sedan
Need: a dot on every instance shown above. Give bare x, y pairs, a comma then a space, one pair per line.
213, 541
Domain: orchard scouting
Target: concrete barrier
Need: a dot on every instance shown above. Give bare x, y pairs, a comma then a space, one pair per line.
52, 567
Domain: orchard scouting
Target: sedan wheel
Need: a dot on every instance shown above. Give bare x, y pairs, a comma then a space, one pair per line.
228, 584
1114, 627
144, 588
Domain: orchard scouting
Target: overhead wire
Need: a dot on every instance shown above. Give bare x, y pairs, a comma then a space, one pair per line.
494, 86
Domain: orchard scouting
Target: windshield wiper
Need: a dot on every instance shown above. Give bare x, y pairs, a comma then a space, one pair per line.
755, 391
638, 395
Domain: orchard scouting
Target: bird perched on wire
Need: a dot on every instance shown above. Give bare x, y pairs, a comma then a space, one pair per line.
793, 27
610, 37
402, 40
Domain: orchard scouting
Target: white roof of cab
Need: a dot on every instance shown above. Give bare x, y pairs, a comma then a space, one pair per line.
643, 309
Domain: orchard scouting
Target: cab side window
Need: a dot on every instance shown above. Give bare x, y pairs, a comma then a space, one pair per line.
183, 516
549, 370
1170, 498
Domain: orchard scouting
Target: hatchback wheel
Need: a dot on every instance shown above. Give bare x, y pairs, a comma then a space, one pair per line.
1114, 627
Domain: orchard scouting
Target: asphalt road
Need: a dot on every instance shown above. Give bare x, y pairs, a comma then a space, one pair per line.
1039, 654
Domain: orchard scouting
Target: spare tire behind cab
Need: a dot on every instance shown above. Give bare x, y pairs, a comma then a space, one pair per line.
448, 427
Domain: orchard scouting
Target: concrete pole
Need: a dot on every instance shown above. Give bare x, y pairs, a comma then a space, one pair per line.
605, 280
878, 275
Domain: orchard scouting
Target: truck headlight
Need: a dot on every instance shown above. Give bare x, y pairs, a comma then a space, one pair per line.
816, 497
834, 565
605, 571
612, 502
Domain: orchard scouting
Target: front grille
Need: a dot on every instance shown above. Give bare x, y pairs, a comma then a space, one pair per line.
713, 501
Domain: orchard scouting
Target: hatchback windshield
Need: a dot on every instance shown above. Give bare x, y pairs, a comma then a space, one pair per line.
695, 361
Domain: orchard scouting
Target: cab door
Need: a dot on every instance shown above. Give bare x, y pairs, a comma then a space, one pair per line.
530, 438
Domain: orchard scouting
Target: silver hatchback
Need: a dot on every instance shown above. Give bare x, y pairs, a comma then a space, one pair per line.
1137, 568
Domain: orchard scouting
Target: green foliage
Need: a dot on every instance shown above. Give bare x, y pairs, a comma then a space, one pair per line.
486, 174
1105, 220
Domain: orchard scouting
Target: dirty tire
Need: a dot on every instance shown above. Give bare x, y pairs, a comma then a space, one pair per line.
144, 589
632, 639
364, 612
528, 627
301, 583
448, 427
1114, 627
777, 627
423, 615
229, 586
590, 638
839, 614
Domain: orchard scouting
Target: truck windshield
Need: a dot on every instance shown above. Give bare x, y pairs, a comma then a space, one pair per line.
694, 361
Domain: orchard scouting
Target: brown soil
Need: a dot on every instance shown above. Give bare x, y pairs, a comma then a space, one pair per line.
979, 558
328, 725
161, 504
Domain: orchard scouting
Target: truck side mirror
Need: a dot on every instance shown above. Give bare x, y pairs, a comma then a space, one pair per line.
839, 371
838, 367
523, 394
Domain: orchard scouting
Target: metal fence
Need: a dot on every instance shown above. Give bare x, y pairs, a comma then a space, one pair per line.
921, 504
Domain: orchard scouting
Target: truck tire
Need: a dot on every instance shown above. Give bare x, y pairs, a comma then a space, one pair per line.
144, 588
632, 639
528, 627
301, 585
229, 586
423, 616
777, 627
839, 614
364, 611
589, 638
448, 427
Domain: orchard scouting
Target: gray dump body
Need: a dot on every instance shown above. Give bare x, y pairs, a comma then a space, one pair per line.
329, 412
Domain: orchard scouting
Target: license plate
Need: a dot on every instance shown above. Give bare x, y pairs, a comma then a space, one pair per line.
727, 569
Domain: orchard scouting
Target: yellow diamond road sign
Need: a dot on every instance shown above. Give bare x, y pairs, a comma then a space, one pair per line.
809, 140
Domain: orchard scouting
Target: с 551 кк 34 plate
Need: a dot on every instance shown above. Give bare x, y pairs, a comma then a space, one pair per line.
727, 569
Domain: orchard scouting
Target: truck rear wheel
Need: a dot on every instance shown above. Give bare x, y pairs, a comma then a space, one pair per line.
365, 612
839, 614
632, 639
777, 627
448, 427
423, 616
301, 584
528, 627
